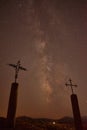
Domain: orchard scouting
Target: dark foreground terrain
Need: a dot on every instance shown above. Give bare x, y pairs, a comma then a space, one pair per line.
27, 123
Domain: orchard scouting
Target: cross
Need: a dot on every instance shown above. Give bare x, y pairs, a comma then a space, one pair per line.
17, 68
71, 85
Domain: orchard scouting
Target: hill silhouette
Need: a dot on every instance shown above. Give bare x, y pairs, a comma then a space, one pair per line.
25, 122
28, 123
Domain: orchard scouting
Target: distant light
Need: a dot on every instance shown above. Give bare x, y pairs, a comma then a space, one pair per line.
54, 122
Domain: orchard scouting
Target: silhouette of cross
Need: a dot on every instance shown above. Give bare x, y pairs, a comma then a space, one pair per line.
17, 68
71, 85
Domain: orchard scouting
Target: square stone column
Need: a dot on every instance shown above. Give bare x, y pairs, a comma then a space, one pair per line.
76, 112
11, 113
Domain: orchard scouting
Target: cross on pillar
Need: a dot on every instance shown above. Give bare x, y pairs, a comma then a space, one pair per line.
17, 67
71, 85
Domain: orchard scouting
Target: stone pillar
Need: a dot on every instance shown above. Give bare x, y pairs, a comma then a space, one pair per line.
76, 112
12, 106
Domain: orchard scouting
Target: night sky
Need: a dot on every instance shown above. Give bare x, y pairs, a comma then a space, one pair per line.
49, 37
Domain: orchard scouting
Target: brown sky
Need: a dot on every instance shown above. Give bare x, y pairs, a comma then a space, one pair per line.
49, 37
